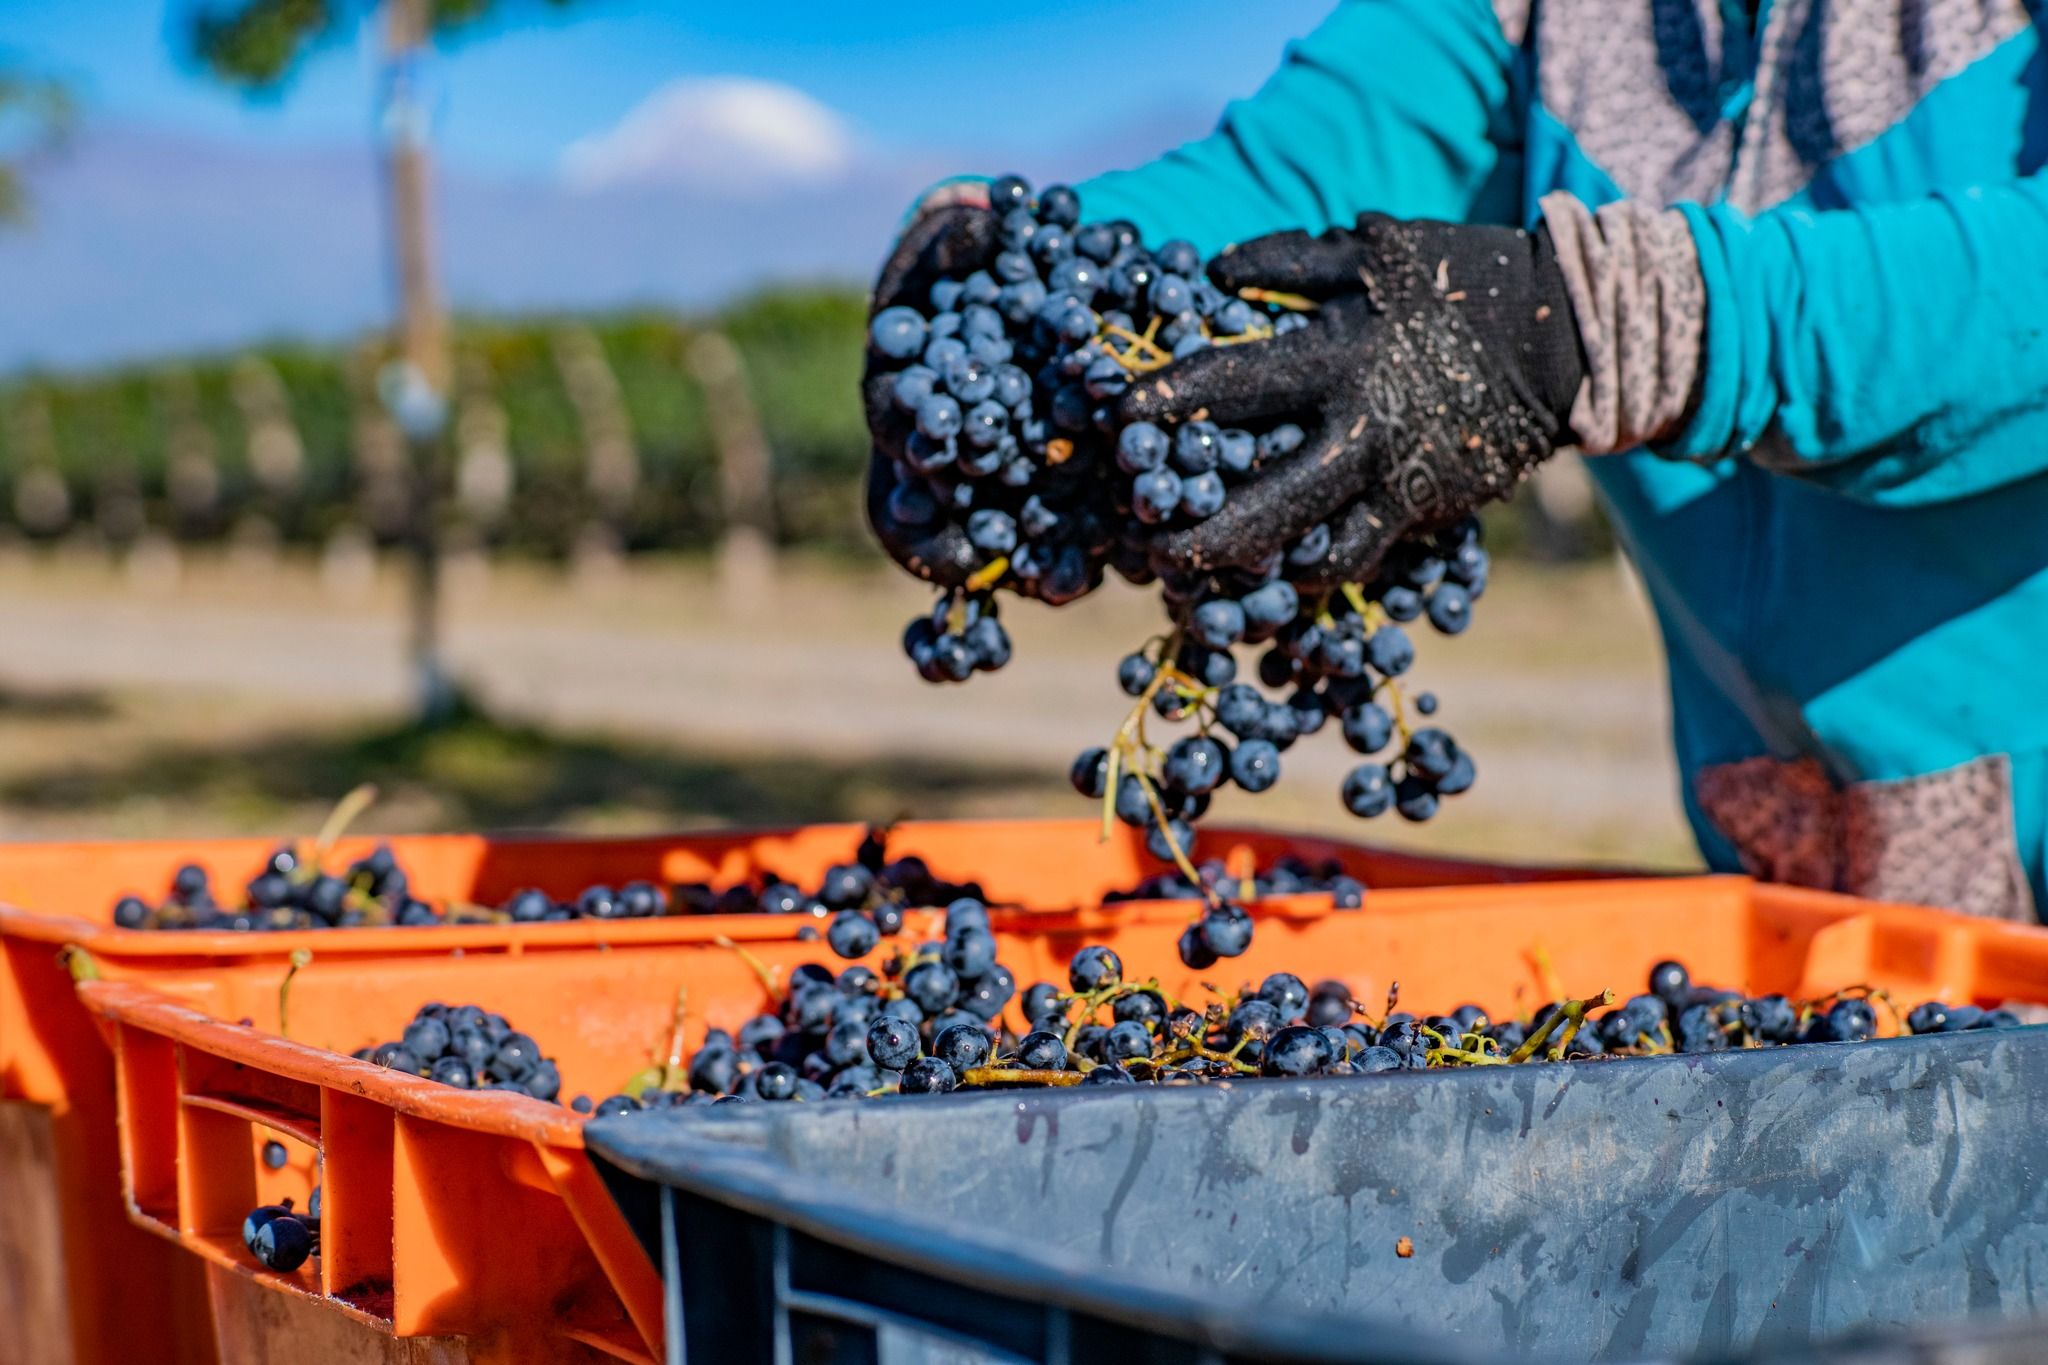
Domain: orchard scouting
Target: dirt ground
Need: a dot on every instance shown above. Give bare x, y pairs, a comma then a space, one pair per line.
246, 694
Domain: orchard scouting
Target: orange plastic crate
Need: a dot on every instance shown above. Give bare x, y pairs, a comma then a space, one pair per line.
446, 1213
114, 1284
53, 895
457, 1214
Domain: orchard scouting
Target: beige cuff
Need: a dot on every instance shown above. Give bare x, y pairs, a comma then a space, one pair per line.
1633, 276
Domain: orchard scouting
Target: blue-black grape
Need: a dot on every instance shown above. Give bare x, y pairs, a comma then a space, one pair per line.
1090, 774
898, 332
1368, 727
1197, 447
1218, 623
892, 1042
1155, 494
1202, 496
1414, 798
852, 934
1368, 790
1450, 608
1196, 764
1255, 765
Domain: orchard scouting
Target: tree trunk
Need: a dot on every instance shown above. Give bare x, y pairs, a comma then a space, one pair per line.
423, 339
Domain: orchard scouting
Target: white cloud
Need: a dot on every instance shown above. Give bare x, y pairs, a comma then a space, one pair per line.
724, 134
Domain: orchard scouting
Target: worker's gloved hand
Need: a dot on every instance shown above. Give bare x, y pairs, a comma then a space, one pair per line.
1437, 372
953, 234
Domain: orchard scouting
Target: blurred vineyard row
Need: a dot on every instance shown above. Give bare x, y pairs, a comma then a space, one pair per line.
559, 429
564, 435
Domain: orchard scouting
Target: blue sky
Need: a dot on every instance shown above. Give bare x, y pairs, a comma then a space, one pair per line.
520, 90
624, 153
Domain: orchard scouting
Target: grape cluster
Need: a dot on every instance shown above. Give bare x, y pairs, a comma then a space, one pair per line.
1677, 1015
280, 1238
1932, 1016
291, 892
915, 1025
1011, 376
471, 1049
920, 1028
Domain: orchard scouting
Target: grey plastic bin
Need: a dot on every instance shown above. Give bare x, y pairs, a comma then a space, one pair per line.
1745, 1205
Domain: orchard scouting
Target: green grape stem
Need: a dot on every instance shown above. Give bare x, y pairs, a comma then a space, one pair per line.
1278, 298
1229, 1059
299, 958
1445, 1053
1180, 857
989, 574
1130, 741
1570, 1015
677, 1029
338, 820
1089, 1002
760, 969
644, 1080
991, 1075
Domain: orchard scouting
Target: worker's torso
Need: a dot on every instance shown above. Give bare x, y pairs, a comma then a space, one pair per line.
1879, 644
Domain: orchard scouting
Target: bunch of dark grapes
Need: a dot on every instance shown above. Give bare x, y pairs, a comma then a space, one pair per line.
281, 1238
1677, 1015
1011, 376
834, 1035
1932, 1016
470, 1049
291, 892
910, 1030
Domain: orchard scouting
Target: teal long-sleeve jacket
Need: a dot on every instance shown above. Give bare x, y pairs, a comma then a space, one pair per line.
1844, 522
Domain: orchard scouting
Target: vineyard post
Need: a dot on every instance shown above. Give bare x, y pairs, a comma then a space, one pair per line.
746, 471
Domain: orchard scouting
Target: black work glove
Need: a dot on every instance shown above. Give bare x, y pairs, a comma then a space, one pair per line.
1436, 374
952, 241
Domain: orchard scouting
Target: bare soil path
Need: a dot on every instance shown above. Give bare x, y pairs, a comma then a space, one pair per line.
675, 706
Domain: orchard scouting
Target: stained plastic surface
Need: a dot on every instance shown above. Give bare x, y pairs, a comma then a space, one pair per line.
56, 1079
1738, 1205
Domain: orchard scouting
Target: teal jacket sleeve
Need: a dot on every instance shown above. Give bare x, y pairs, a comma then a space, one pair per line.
1401, 106
1893, 352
